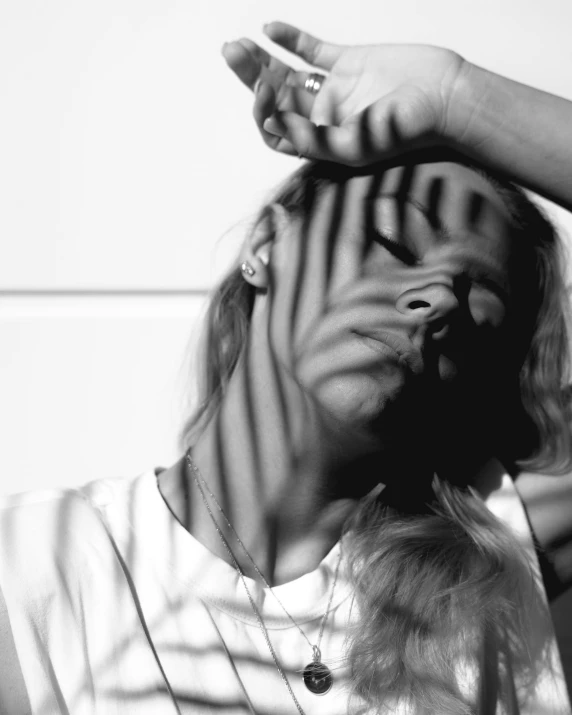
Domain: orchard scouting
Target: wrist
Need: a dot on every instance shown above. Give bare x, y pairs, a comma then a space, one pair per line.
464, 123
510, 127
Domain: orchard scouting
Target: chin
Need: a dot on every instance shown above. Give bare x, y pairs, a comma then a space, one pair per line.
359, 401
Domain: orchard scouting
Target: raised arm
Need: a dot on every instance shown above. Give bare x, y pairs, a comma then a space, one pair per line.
377, 101
515, 128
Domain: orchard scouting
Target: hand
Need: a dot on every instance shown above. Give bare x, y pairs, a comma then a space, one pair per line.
376, 101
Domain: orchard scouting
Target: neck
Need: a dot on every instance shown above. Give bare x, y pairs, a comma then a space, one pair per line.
286, 478
275, 491
283, 484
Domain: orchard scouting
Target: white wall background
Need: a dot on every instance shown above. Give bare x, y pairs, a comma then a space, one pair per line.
127, 150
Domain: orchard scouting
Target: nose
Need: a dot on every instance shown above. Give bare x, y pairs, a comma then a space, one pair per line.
429, 303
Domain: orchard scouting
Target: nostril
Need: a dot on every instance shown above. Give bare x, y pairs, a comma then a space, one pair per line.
418, 304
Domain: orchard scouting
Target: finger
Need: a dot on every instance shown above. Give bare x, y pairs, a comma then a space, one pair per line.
288, 96
252, 64
240, 60
284, 147
309, 48
327, 143
256, 51
264, 106
381, 131
280, 71
299, 79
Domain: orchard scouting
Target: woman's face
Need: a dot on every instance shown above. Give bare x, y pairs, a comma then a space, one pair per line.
395, 288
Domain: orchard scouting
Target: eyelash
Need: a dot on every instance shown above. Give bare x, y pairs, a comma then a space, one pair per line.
403, 254
400, 252
491, 286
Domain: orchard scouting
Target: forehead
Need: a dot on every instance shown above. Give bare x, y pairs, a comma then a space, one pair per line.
448, 193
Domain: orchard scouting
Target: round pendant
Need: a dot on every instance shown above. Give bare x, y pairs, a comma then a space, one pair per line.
318, 678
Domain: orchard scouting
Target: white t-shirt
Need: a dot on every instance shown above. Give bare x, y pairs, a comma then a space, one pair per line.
115, 609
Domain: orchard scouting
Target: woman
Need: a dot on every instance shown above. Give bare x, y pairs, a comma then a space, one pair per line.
338, 536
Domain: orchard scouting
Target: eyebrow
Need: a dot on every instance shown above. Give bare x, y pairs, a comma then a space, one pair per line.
442, 232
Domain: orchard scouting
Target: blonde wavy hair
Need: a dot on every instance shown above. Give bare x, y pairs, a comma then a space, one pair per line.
434, 583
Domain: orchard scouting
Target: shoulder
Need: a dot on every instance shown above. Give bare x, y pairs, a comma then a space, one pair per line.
548, 503
53, 535
42, 517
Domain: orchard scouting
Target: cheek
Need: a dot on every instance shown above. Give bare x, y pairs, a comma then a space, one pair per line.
347, 264
478, 355
486, 354
486, 309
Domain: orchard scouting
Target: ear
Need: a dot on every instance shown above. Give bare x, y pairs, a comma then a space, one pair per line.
257, 247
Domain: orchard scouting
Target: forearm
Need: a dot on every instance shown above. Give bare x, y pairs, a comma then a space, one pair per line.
521, 131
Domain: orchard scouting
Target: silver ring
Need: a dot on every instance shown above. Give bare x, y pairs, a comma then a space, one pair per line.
314, 82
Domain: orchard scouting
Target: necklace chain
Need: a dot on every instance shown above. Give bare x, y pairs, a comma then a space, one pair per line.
315, 648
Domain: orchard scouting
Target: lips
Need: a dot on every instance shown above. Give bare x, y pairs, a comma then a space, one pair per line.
381, 340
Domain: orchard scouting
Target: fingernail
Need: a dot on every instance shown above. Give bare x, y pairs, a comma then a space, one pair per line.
225, 45
272, 126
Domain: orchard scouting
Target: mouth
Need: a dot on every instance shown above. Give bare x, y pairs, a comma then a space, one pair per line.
390, 344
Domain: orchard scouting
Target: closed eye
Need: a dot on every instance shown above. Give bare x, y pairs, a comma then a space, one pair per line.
490, 285
402, 253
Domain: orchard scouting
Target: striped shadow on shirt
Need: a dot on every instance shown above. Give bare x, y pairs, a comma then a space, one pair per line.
13, 694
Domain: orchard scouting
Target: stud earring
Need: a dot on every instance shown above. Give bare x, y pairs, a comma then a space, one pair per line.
247, 268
